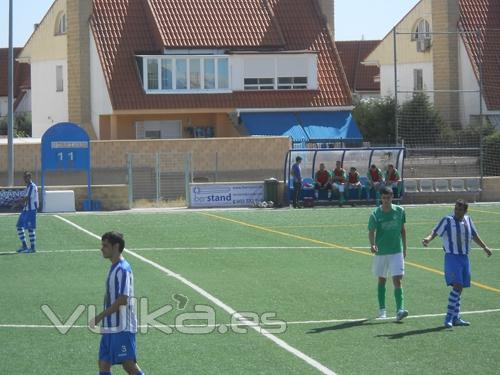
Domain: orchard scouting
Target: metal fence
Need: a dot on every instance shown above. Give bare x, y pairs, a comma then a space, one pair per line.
445, 115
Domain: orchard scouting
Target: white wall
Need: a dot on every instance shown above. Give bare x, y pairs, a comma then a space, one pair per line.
4, 101
405, 80
25, 105
272, 65
48, 106
100, 103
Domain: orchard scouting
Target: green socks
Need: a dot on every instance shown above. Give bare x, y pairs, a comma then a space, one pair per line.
398, 294
381, 296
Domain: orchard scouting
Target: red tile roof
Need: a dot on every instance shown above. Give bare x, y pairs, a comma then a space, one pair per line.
352, 53
184, 23
21, 73
125, 28
483, 15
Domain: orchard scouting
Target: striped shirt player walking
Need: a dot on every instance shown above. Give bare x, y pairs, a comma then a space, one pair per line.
119, 322
457, 232
27, 218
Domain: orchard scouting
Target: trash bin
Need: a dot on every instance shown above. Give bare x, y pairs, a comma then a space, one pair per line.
271, 190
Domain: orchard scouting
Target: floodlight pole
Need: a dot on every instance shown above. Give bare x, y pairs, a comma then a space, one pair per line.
10, 103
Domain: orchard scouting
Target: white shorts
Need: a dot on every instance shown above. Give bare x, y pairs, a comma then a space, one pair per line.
339, 186
390, 263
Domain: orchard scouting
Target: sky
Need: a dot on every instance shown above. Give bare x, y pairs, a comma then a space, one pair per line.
354, 19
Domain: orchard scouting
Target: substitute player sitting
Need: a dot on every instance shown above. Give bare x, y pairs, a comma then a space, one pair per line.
322, 181
375, 180
339, 177
353, 181
392, 177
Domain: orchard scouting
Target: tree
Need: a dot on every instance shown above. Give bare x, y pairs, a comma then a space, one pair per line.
492, 154
375, 117
22, 125
419, 123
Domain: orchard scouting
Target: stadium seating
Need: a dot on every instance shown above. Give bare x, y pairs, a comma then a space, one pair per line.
411, 186
457, 185
427, 186
474, 185
442, 185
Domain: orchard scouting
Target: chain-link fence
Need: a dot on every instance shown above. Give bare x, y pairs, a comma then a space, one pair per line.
162, 179
446, 100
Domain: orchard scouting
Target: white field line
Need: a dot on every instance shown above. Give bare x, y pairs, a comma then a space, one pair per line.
219, 248
303, 322
185, 248
422, 248
310, 361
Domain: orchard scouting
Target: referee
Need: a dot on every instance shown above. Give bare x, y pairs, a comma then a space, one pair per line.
457, 231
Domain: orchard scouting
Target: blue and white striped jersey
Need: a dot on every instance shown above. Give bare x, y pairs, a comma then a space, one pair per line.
456, 234
120, 282
31, 192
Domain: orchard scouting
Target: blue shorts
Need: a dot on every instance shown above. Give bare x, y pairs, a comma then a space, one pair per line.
117, 348
457, 269
27, 220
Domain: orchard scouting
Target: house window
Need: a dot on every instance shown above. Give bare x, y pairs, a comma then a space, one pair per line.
181, 74
289, 83
166, 74
195, 74
59, 78
209, 74
259, 83
418, 80
158, 129
223, 73
61, 24
422, 30
152, 74
422, 35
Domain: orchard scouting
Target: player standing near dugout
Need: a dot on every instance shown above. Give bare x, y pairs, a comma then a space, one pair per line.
27, 218
457, 231
387, 235
119, 323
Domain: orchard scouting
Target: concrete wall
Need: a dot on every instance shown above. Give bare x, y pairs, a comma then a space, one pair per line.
112, 197
235, 154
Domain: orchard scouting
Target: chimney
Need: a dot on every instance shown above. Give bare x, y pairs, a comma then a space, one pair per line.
78, 14
328, 10
445, 17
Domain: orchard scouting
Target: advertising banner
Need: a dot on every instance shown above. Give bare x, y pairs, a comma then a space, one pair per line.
226, 194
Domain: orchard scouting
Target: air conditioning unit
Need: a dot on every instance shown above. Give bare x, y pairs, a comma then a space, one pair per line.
423, 44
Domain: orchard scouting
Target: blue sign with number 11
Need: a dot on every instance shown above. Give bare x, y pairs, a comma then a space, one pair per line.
65, 147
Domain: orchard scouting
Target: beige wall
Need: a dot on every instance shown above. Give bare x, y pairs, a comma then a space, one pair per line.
112, 197
43, 44
243, 153
406, 49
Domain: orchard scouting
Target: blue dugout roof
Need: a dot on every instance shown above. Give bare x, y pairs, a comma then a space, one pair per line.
318, 126
324, 126
274, 123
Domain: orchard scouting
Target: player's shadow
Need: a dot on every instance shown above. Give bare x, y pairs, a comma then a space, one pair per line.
400, 335
336, 327
13, 253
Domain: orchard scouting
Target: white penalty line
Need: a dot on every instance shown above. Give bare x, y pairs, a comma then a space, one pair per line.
302, 322
310, 361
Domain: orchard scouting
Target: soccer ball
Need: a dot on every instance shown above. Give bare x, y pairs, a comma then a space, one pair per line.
270, 204
264, 204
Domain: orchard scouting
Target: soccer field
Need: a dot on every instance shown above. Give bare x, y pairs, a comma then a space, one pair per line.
302, 279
